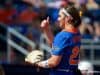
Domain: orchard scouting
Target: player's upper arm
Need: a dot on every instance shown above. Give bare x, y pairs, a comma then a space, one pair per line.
58, 48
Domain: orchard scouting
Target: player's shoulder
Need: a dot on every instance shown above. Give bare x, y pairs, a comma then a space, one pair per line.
63, 34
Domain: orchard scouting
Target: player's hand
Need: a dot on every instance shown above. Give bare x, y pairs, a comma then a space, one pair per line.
38, 64
45, 24
34, 57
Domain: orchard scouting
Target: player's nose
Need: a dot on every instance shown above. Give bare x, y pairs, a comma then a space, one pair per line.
58, 20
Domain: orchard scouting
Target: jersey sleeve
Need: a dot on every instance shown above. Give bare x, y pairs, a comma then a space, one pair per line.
59, 44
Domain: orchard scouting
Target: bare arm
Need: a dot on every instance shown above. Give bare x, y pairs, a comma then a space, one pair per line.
53, 61
47, 30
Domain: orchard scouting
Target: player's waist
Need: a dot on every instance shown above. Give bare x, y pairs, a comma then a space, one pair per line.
66, 70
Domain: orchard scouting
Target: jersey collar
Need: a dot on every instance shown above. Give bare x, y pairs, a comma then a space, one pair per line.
72, 30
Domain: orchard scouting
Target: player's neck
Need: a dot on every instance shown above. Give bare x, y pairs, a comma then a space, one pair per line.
70, 28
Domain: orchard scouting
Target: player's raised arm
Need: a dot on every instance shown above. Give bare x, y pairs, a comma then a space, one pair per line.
47, 30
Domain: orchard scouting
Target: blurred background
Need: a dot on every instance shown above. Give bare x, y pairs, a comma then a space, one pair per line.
20, 31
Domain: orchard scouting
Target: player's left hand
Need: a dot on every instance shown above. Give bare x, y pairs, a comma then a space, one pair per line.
34, 57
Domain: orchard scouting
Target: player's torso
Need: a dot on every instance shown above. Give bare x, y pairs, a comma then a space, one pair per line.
70, 50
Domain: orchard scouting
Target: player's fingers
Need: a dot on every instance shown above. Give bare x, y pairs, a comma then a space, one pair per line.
43, 23
48, 19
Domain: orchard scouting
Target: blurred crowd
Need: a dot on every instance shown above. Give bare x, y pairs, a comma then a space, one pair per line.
26, 15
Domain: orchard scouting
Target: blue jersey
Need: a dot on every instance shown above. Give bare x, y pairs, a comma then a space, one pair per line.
66, 44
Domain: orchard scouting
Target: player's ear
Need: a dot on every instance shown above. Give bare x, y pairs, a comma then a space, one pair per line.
67, 19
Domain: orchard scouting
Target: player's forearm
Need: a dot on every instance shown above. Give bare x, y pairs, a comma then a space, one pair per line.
52, 62
47, 64
47, 30
49, 36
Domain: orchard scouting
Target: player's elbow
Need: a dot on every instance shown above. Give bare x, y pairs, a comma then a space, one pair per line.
53, 64
54, 61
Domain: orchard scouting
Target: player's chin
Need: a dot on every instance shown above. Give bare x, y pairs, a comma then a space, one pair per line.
59, 25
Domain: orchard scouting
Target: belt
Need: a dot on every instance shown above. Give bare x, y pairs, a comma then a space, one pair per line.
64, 70
75, 71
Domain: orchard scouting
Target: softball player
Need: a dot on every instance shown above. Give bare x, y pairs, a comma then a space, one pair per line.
66, 44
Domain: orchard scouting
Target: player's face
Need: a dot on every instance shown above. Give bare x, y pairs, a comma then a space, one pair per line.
61, 19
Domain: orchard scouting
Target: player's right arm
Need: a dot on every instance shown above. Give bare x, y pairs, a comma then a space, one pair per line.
47, 30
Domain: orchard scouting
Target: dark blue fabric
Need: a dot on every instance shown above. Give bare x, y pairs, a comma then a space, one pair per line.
63, 45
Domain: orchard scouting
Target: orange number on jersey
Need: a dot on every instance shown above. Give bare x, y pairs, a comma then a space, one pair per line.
75, 53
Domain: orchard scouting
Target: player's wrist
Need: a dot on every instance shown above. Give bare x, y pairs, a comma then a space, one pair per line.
43, 64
